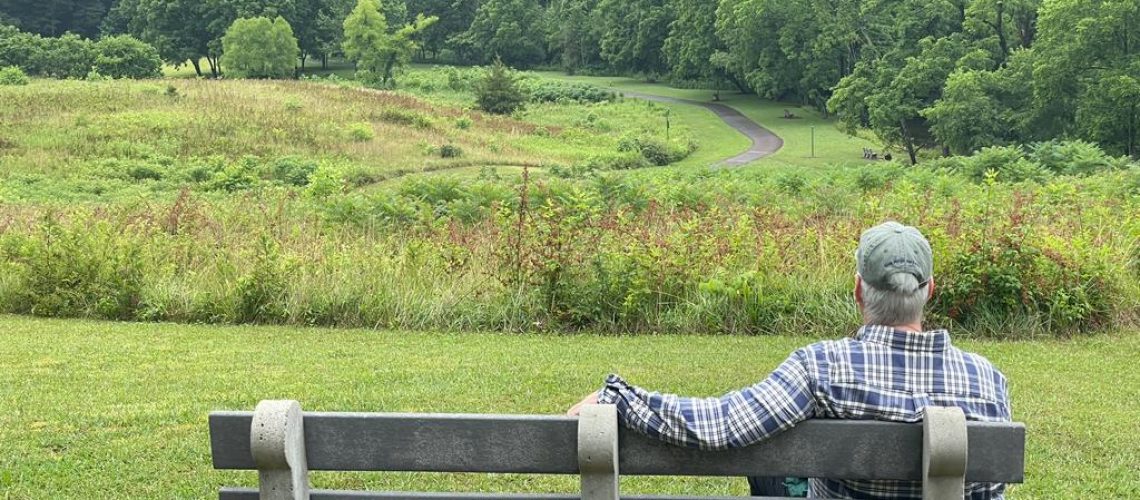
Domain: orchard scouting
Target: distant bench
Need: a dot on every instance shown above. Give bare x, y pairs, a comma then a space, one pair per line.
283, 444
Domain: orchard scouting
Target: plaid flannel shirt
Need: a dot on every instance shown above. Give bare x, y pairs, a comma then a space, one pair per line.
881, 374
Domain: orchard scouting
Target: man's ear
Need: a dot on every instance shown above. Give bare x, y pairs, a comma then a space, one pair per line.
859, 291
930, 289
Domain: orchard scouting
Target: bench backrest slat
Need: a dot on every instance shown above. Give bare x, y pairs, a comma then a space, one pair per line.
548, 445
251, 494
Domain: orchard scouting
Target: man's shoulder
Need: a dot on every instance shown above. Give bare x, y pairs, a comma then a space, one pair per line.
830, 347
985, 369
825, 352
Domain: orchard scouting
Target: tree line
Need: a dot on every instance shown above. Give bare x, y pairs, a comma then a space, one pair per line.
945, 76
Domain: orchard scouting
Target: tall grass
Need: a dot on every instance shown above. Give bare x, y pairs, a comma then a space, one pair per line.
72, 140
707, 253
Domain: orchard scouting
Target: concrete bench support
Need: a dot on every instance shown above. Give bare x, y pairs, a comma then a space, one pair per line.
598, 452
277, 443
944, 451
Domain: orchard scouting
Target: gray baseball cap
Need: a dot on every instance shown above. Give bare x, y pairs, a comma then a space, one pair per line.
892, 248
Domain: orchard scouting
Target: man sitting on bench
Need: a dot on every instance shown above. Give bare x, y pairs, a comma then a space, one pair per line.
890, 370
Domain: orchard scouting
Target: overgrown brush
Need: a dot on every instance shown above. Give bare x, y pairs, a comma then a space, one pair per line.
697, 253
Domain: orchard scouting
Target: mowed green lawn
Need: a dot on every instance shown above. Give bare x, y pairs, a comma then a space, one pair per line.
93, 410
832, 146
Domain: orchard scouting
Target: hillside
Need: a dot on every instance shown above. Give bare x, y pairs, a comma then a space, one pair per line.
71, 140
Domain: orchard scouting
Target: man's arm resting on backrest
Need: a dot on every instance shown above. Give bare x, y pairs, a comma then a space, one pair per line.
733, 420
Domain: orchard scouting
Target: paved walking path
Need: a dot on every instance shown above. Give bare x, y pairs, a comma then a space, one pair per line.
764, 142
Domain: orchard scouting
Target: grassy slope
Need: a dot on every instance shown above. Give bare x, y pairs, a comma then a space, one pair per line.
70, 140
832, 146
106, 407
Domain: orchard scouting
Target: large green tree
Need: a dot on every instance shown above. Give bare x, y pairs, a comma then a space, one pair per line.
259, 48
189, 30
1087, 70
633, 34
506, 29
981, 107
692, 40
125, 56
576, 34
328, 28
174, 27
52, 18
378, 53
455, 17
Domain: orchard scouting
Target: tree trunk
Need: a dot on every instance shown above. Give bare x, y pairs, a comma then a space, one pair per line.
736, 83
197, 67
1001, 31
324, 61
388, 67
303, 58
214, 69
909, 142
1132, 119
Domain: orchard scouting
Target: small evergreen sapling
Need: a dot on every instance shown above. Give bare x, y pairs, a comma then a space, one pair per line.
499, 93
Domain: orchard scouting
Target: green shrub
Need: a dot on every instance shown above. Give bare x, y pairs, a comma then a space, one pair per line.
68, 56
12, 75
1035, 162
463, 123
655, 151
126, 57
791, 183
407, 118
361, 132
1012, 276
87, 270
569, 92
292, 171
628, 160
19, 49
326, 181
450, 151
95, 76
1072, 157
262, 292
144, 172
237, 176
462, 79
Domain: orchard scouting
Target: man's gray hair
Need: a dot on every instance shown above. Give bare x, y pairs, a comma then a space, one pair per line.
895, 308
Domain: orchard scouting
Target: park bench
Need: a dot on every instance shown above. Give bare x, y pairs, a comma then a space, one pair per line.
283, 444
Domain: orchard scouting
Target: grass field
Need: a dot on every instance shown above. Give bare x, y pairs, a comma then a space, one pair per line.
108, 409
96, 141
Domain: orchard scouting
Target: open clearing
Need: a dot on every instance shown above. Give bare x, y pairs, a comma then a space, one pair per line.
93, 408
832, 146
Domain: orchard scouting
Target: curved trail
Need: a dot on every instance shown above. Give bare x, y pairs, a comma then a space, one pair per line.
764, 142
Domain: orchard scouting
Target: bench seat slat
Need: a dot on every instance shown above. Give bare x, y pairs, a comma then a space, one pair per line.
251, 494
548, 445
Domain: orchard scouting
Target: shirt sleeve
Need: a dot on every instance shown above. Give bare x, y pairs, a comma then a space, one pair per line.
734, 420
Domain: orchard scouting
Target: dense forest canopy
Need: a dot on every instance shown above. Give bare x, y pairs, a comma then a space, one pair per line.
940, 76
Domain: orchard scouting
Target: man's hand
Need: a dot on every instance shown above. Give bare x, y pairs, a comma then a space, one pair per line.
592, 399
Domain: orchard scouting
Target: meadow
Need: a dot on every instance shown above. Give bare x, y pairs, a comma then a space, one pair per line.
320, 202
383, 235
111, 409
66, 141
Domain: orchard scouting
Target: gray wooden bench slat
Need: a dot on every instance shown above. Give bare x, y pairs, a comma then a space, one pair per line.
251, 494
548, 444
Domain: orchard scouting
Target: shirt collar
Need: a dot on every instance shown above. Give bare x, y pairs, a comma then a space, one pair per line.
934, 340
